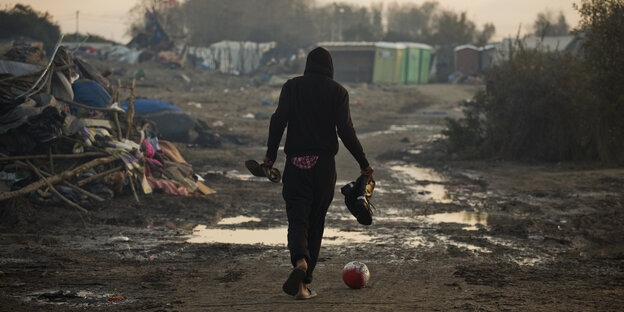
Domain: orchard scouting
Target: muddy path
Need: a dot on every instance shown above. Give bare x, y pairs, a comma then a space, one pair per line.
448, 235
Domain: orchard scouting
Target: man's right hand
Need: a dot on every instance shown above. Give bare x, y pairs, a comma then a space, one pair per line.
368, 171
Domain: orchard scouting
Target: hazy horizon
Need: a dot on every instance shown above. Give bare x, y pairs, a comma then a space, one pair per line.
109, 19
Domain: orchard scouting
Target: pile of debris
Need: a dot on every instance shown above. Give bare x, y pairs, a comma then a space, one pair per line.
65, 137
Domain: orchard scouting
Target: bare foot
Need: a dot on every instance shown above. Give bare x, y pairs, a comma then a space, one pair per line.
303, 291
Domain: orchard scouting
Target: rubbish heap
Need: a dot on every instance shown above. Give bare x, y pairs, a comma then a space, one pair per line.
65, 137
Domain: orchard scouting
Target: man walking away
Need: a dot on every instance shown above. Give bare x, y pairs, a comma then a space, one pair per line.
315, 108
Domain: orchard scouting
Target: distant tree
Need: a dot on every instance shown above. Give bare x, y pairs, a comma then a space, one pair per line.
486, 34
286, 21
24, 21
428, 23
411, 22
546, 24
452, 28
602, 25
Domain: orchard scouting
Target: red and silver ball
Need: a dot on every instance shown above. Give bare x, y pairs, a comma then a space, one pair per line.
355, 274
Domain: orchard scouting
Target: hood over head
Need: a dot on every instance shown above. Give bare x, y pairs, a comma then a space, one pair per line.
320, 62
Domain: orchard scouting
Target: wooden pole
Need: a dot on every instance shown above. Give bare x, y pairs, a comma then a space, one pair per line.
131, 179
97, 176
50, 159
116, 114
105, 109
87, 193
47, 174
66, 175
130, 112
61, 156
54, 190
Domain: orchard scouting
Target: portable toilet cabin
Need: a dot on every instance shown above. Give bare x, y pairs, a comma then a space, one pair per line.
353, 61
417, 63
467, 59
486, 57
389, 63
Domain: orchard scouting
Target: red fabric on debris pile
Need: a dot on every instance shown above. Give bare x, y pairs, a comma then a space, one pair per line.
166, 186
149, 153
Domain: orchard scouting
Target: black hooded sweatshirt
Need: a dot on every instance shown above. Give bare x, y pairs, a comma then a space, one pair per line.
314, 106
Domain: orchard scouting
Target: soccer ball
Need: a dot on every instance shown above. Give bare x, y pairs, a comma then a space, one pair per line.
355, 274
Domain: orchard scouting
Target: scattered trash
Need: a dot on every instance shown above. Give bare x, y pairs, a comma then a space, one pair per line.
218, 124
267, 102
115, 298
249, 116
262, 116
196, 104
186, 78
120, 239
138, 74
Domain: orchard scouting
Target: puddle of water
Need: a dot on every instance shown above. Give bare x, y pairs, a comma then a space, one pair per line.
432, 192
271, 236
414, 173
75, 298
468, 246
397, 129
235, 175
528, 261
237, 220
472, 219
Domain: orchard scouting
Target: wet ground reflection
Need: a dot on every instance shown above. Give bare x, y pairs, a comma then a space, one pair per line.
269, 236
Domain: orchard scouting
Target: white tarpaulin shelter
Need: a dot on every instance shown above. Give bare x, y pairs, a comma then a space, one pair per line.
232, 57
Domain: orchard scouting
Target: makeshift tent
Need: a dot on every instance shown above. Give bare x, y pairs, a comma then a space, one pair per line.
173, 124
549, 43
389, 63
90, 93
417, 63
353, 61
150, 105
232, 57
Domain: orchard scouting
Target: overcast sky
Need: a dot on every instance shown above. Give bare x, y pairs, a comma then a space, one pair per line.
108, 18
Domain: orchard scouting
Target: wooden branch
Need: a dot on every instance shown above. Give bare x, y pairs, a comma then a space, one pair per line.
97, 176
54, 190
50, 159
58, 178
131, 179
115, 99
35, 73
47, 174
87, 193
62, 156
105, 109
130, 112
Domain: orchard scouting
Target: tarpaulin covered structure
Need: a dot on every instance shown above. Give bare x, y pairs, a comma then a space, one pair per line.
232, 57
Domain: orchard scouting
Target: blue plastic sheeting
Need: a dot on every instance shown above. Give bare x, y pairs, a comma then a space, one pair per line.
150, 105
90, 93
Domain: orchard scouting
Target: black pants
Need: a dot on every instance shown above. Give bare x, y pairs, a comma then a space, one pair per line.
308, 193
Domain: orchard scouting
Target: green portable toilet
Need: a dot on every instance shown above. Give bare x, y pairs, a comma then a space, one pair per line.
389, 63
417, 62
